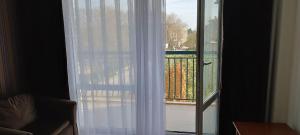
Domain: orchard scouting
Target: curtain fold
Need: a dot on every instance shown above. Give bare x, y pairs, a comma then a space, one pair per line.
115, 51
8, 70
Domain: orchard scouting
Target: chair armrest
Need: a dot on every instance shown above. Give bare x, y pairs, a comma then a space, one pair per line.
57, 108
9, 131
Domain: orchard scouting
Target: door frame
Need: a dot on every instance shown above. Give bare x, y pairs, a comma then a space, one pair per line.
201, 105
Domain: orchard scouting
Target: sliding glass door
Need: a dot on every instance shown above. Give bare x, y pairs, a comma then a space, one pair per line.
209, 54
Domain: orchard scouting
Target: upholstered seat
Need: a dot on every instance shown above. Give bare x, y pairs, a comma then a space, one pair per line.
24, 115
46, 127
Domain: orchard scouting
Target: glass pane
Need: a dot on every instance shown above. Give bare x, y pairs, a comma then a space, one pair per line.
211, 46
210, 119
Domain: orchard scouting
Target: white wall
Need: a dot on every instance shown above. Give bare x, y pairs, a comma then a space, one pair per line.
286, 104
294, 102
285, 45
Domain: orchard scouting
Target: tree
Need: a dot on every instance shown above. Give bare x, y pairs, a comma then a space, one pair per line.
211, 31
176, 31
190, 43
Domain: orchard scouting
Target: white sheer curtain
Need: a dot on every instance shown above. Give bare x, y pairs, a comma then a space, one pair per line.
115, 51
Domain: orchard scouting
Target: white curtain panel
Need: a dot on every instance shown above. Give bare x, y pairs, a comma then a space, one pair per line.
115, 51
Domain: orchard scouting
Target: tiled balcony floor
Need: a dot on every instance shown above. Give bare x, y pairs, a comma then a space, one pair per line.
171, 133
181, 117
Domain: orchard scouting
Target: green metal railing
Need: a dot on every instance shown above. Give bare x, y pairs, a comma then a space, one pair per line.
180, 75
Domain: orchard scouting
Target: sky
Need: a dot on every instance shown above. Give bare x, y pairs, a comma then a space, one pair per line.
185, 9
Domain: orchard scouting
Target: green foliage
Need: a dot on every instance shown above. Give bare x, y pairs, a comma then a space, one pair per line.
188, 68
191, 40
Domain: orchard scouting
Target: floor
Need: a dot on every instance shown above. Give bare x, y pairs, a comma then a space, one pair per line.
181, 117
172, 133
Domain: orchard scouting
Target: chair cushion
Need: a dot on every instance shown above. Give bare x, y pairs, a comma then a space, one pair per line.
17, 111
67, 131
46, 127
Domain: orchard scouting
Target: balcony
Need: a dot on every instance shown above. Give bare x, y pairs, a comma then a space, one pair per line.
180, 92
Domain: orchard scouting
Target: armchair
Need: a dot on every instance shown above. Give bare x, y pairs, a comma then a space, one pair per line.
23, 115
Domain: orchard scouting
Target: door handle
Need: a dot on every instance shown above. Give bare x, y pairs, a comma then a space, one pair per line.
207, 63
